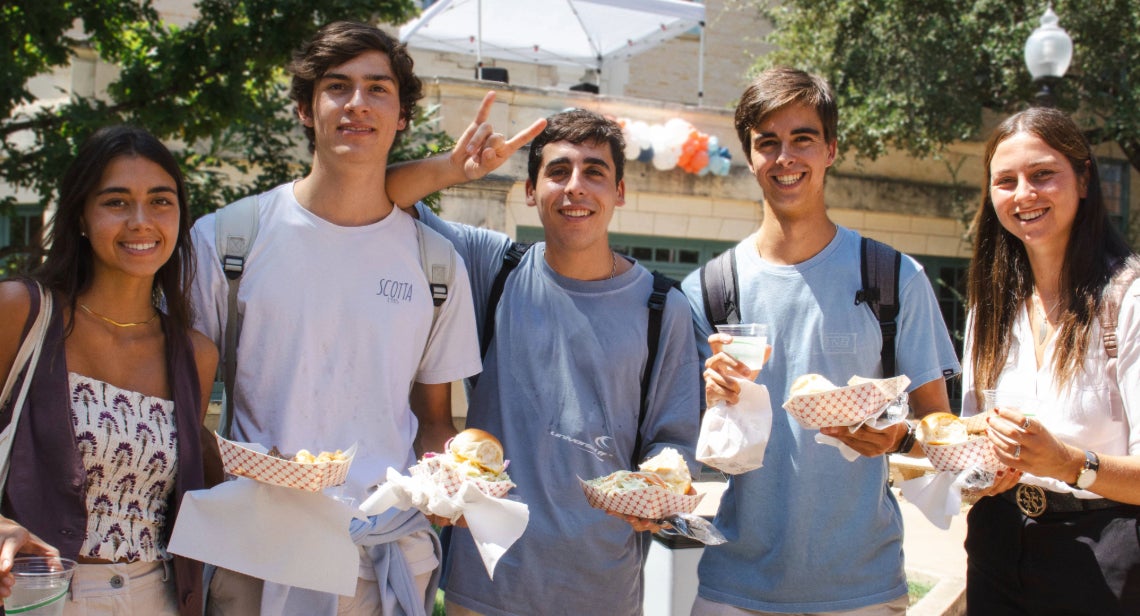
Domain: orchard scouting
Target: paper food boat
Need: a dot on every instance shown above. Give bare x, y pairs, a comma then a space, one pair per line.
978, 451
450, 479
244, 459
652, 503
845, 406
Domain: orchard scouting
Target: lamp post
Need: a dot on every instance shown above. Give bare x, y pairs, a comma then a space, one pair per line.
1048, 52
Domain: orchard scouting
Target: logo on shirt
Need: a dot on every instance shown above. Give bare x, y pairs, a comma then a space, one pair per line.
394, 291
838, 344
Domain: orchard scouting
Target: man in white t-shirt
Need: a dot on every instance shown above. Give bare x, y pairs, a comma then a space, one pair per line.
337, 342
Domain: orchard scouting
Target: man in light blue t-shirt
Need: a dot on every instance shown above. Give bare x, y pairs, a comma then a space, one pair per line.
563, 372
810, 532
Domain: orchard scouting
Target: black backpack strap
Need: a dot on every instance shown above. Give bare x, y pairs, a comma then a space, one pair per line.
880, 265
661, 286
511, 260
720, 289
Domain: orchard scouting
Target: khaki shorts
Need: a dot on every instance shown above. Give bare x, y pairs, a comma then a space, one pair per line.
122, 589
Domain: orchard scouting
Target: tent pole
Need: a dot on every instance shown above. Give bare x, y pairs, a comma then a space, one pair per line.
701, 68
479, 39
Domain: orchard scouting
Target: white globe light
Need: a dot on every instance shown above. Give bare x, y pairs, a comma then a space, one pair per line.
1049, 49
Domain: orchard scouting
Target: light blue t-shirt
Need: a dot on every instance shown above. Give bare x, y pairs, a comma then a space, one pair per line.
810, 531
561, 388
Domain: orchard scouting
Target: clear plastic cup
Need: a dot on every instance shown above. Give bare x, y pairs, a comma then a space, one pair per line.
1026, 405
41, 585
749, 341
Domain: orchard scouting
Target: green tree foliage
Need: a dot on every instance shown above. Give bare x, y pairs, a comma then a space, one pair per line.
917, 75
215, 88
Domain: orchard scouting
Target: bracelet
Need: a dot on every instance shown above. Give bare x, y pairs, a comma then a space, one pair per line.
907, 442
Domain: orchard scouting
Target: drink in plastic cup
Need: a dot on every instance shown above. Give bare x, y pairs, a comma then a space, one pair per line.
1026, 405
41, 585
749, 341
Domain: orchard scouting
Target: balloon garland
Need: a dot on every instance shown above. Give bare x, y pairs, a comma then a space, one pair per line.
675, 143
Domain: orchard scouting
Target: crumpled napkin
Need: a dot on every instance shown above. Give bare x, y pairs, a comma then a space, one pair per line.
733, 437
891, 413
495, 523
939, 495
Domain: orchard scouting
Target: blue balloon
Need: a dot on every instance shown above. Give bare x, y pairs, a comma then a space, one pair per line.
646, 155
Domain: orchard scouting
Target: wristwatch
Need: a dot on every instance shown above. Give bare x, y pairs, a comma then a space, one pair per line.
1087, 474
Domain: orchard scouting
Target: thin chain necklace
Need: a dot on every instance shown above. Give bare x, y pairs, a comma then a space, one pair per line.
613, 271
113, 321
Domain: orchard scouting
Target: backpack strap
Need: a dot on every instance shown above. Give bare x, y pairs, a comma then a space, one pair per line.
661, 286
437, 258
235, 228
880, 265
1123, 277
720, 289
511, 260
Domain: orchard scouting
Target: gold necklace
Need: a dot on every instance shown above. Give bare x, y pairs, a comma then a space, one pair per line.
613, 271
113, 321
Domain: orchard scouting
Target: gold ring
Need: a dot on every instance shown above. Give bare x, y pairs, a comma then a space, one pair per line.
1025, 424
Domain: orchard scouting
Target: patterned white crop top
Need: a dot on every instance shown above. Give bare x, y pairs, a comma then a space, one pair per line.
127, 442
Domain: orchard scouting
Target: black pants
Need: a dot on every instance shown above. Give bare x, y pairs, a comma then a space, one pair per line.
1063, 564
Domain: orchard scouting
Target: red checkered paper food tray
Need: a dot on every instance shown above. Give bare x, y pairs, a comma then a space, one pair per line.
450, 480
238, 459
845, 406
976, 452
651, 503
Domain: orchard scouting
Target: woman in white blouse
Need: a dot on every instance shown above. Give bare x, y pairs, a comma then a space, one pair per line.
1058, 530
108, 439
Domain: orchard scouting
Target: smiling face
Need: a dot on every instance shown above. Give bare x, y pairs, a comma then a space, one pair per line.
131, 218
355, 112
1035, 191
789, 157
576, 191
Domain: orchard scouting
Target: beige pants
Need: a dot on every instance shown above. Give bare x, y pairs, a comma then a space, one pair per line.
121, 589
236, 594
704, 607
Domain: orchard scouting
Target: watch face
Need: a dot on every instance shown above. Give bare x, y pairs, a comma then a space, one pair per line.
1088, 476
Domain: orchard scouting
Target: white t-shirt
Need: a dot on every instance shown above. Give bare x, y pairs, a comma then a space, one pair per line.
1084, 413
336, 321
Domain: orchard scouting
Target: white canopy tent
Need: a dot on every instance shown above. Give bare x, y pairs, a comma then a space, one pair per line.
586, 33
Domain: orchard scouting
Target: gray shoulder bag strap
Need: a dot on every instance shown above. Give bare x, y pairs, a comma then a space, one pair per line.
235, 228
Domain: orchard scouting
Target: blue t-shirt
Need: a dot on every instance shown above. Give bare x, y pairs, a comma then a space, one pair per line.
561, 388
810, 531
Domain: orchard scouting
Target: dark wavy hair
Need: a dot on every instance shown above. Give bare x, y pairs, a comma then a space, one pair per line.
68, 267
341, 41
578, 126
777, 88
1000, 278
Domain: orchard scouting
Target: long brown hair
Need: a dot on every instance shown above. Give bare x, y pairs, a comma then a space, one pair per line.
68, 266
1001, 280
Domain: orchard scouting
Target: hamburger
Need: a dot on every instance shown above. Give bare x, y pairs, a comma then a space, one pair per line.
671, 468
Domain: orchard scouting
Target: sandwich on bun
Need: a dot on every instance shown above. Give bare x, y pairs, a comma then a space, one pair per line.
942, 429
474, 453
811, 384
671, 468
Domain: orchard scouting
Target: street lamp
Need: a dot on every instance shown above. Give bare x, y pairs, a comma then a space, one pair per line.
1048, 52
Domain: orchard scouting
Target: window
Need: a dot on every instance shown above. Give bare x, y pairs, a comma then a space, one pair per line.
671, 256
948, 278
1114, 183
19, 232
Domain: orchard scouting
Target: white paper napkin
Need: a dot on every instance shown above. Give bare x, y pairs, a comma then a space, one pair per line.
733, 437
495, 523
938, 496
273, 533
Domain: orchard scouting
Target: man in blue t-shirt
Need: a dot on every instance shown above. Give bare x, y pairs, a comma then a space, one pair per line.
562, 375
810, 532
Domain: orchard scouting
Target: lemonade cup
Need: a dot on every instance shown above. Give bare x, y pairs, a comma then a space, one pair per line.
749, 342
1010, 401
41, 585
